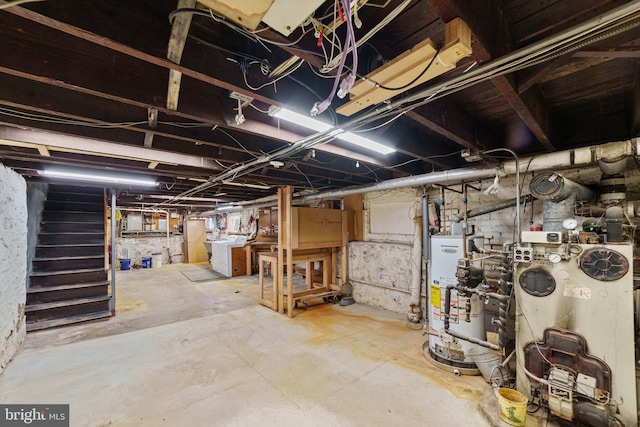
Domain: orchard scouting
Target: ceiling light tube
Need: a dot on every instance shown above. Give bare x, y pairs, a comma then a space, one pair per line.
97, 177
320, 126
227, 207
242, 184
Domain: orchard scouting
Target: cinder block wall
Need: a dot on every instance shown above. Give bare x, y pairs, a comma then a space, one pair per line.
13, 262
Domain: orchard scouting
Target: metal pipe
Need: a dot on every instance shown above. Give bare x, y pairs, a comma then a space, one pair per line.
448, 176
112, 300
503, 308
491, 208
447, 310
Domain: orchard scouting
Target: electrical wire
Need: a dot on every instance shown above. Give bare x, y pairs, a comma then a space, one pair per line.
303, 174
17, 3
235, 140
407, 85
272, 82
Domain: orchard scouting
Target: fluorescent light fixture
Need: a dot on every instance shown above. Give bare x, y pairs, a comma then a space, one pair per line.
242, 184
190, 199
227, 207
298, 119
97, 177
320, 126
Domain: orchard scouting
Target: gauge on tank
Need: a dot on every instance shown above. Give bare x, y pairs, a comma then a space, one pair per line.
570, 223
554, 258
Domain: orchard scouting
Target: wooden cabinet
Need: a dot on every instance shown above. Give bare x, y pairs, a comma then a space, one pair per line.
268, 222
238, 262
317, 228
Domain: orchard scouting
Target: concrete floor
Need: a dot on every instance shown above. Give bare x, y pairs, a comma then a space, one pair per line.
205, 353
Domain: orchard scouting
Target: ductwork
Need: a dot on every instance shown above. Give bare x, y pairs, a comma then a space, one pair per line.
560, 160
554, 187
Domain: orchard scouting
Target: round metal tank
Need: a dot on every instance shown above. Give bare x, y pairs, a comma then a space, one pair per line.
554, 187
445, 252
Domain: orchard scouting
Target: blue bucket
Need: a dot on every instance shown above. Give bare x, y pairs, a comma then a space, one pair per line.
146, 262
125, 263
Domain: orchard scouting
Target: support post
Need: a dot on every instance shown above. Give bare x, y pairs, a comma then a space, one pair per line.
112, 301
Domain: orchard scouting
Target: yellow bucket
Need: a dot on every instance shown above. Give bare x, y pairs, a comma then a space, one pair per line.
513, 406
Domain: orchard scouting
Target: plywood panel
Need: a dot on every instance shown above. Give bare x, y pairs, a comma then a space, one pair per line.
316, 227
196, 234
391, 218
353, 203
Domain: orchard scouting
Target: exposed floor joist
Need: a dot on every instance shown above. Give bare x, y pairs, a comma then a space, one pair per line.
493, 39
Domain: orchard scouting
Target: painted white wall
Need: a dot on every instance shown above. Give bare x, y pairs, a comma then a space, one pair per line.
13, 262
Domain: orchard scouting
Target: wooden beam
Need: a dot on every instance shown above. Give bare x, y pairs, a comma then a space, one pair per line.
492, 39
75, 144
634, 125
177, 40
148, 139
617, 52
531, 76
126, 50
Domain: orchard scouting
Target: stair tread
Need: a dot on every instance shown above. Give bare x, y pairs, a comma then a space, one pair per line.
71, 222
54, 273
65, 258
65, 303
40, 245
46, 324
40, 289
99, 233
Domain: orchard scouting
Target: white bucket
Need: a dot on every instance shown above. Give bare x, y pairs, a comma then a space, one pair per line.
156, 260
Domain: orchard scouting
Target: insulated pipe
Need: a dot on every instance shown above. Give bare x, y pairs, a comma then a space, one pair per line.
576, 157
426, 250
555, 188
416, 262
443, 177
558, 160
492, 208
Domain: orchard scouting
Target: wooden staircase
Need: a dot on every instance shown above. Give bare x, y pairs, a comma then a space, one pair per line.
69, 282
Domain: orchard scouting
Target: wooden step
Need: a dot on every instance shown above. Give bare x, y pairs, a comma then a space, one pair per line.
56, 250
70, 226
73, 206
54, 323
72, 216
70, 238
70, 277
44, 294
65, 303
68, 262
65, 196
66, 308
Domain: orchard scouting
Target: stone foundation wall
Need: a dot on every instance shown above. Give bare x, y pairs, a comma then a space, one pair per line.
140, 246
13, 263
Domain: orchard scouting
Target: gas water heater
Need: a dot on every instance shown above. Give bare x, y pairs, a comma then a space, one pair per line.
575, 327
466, 313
